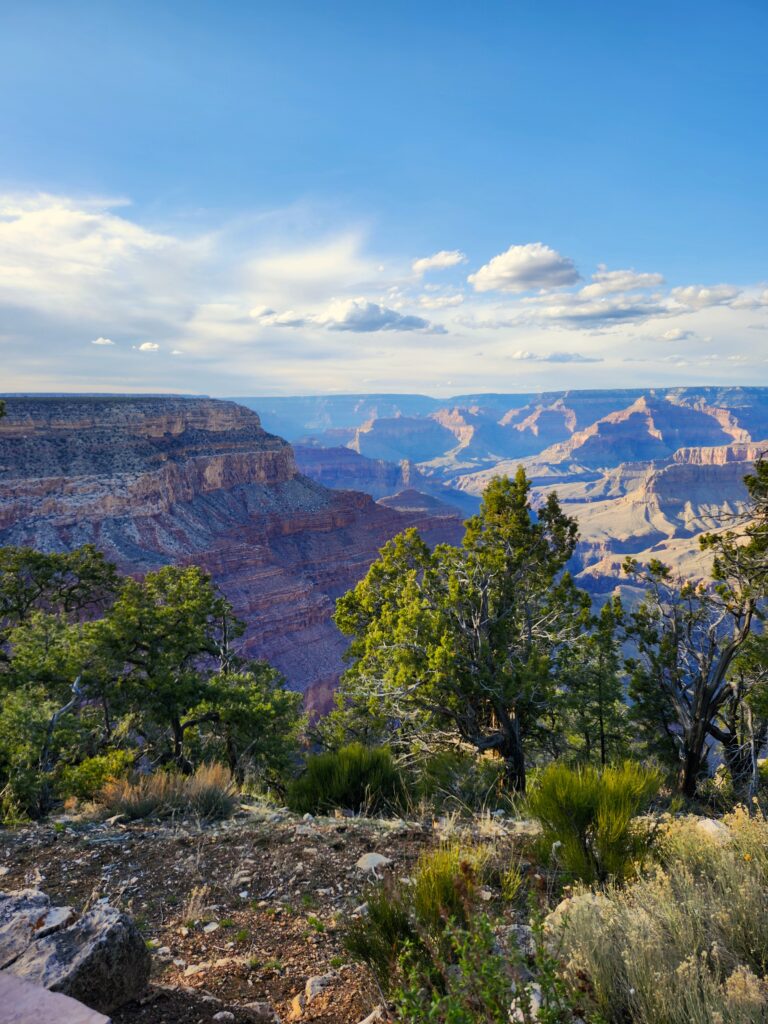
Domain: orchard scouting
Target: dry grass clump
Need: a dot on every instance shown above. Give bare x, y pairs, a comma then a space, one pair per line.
687, 944
209, 794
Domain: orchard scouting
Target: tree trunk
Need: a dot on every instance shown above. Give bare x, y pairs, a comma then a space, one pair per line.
514, 758
693, 759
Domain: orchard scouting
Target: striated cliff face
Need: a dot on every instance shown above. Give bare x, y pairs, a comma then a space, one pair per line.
157, 480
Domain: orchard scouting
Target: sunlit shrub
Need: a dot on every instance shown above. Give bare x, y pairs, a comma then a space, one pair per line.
86, 779
209, 794
586, 816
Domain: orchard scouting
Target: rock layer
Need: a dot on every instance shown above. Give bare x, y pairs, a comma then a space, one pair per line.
152, 481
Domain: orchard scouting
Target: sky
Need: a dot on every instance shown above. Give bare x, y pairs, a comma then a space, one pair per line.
302, 197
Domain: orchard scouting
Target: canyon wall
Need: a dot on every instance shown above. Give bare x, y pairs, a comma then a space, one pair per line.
152, 481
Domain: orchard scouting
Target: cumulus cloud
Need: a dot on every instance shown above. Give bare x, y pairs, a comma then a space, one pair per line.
607, 282
364, 316
359, 315
148, 346
678, 334
523, 268
102, 341
439, 261
697, 296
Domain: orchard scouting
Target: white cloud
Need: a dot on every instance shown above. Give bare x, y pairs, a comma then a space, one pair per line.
678, 334
148, 346
522, 355
440, 301
607, 282
102, 341
697, 296
438, 261
364, 316
524, 268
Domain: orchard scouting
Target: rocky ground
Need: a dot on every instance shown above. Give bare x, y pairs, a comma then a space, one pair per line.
249, 911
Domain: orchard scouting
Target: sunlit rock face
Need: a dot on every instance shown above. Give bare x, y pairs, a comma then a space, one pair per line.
152, 481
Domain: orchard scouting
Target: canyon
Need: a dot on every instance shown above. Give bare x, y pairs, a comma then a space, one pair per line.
153, 481
644, 472
285, 529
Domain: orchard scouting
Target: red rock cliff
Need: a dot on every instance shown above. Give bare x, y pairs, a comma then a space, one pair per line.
158, 480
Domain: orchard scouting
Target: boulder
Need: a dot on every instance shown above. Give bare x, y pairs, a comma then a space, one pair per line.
23, 1003
27, 915
371, 861
101, 960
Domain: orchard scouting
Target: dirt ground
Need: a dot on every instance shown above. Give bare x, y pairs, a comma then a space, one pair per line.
245, 911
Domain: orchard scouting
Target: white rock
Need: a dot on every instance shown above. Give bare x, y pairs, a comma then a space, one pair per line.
224, 1015
376, 1015
316, 985
212, 926
371, 861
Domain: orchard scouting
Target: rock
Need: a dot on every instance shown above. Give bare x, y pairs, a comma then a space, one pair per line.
225, 1016
262, 1013
517, 1012
102, 960
343, 812
23, 1003
212, 926
27, 915
297, 1007
714, 830
376, 1015
371, 861
316, 985
308, 817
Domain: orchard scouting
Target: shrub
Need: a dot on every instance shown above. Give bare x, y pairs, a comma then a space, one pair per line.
354, 777
379, 937
209, 794
687, 944
445, 885
84, 780
455, 780
478, 982
441, 896
586, 816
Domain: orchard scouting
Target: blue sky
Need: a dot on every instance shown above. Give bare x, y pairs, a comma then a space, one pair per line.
231, 197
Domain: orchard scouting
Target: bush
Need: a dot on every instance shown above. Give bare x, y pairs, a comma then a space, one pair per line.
86, 779
454, 780
361, 779
379, 937
441, 897
687, 944
586, 816
209, 794
445, 885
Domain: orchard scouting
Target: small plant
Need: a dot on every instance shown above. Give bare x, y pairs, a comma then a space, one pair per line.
242, 935
196, 904
227, 922
586, 817
445, 884
354, 777
379, 937
315, 923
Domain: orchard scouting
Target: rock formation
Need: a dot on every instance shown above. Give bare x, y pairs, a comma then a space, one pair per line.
157, 480
100, 959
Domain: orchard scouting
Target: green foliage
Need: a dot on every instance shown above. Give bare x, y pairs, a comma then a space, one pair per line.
86, 779
445, 885
586, 816
459, 780
474, 981
379, 937
355, 777
90, 662
464, 642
